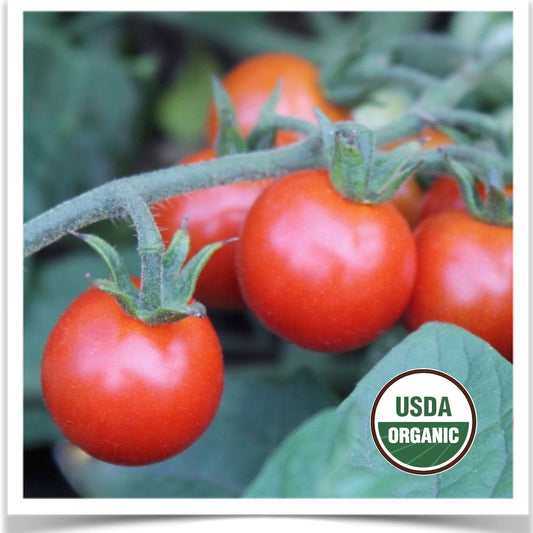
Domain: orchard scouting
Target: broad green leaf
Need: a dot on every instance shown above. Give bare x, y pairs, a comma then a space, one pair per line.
333, 454
257, 411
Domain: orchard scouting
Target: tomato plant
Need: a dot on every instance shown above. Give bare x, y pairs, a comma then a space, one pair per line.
323, 259
212, 214
250, 84
321, 271
465, 277
126, 392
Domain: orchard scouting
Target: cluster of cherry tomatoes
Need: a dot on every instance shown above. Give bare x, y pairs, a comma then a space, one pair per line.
328, 274
317, 269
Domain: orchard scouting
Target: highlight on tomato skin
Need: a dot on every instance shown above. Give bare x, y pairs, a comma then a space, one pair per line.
126, 392
250, 83
212, 215
321, 271
464, 277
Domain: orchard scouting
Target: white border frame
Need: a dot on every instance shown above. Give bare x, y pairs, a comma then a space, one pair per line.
17, 505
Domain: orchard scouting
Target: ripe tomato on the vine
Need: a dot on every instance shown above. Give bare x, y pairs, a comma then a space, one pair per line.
213, 214
321, 271
251, 83
126, 392
465, 277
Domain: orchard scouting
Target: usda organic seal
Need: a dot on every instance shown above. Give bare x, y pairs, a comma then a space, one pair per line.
423, 421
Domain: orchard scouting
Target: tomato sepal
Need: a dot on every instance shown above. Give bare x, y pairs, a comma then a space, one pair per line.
263, 135
176, 254
391, 169
178, 285
229, 140
497, 207
120, 282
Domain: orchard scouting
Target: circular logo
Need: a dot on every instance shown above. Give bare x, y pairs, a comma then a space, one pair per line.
423, 421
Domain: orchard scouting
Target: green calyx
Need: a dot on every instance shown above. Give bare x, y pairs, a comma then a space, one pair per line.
167, 281
171, 299
357, 171
496, 208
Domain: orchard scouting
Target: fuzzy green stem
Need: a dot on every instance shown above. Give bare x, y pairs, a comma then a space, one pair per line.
294, 124
149, 245
475, 122
408, 124
455, 87
480, 159
105, 201
356, 85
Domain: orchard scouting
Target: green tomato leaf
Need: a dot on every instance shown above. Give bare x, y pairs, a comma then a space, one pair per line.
334, 455
257, 411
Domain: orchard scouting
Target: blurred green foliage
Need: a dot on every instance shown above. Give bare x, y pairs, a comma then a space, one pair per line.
182, 108
83, 109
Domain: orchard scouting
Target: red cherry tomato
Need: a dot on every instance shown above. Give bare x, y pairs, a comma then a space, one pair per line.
213, 214
465, 277
409, 198
126, 392
445, 194
320, 271
250, 84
